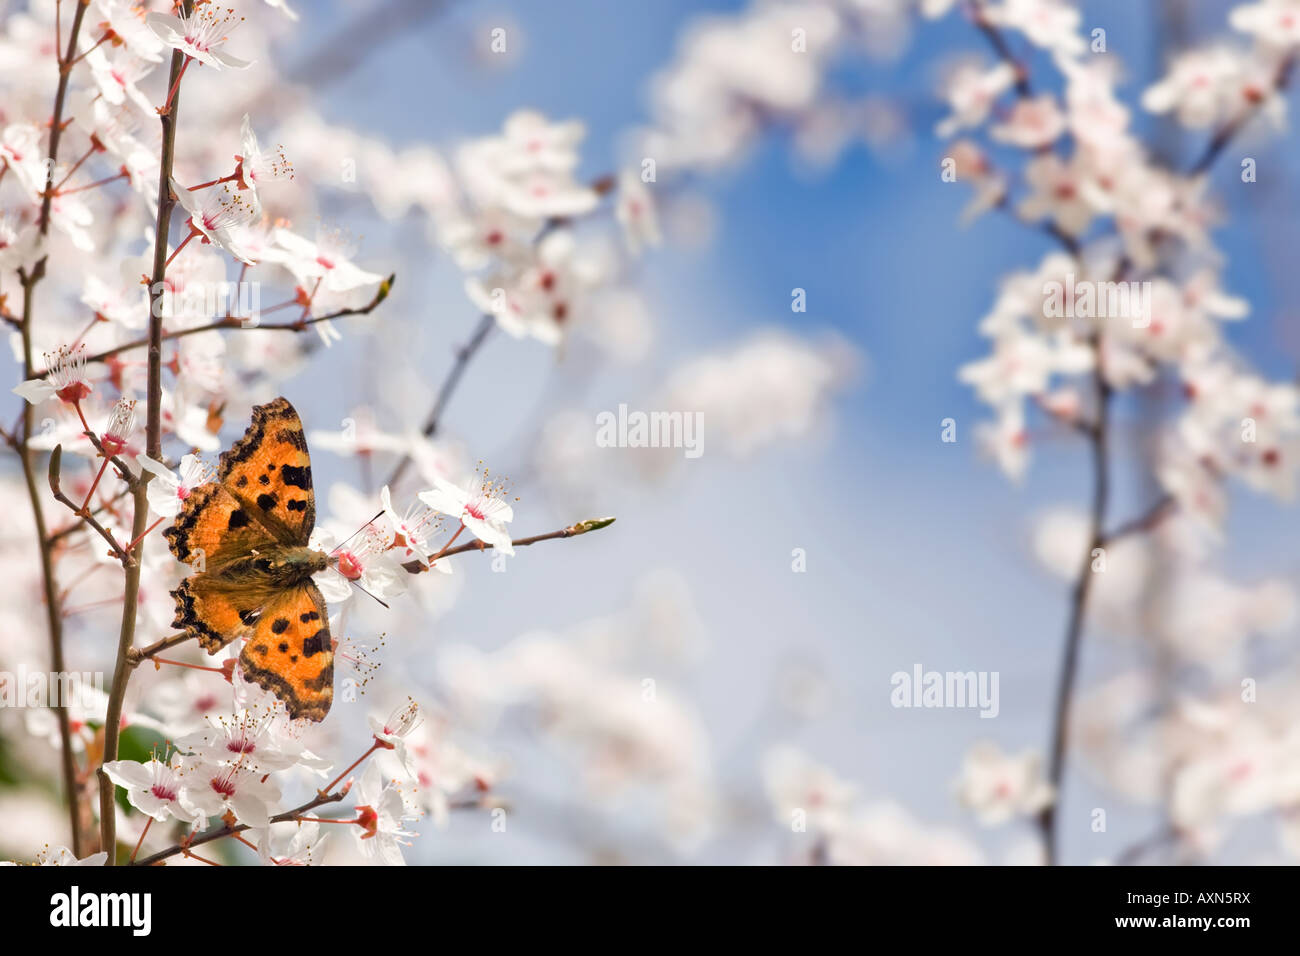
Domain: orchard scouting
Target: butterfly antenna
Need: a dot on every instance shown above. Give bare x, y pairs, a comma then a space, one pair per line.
357, 532
367, 593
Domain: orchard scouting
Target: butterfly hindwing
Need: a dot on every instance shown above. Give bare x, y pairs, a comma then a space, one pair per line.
214, 614
291, 654
269, 472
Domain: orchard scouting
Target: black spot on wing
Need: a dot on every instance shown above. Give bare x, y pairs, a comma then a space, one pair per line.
266, 502
279, 625
297, 477
314, 644
295, 504
238, 519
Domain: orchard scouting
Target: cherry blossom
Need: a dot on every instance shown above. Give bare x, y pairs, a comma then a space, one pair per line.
414, 531
62, 856
65, 378
213, 789
125, 19
304, 848
1051, 24
154, 788
1274, 22
383, 810
116, 436
998, 787
635, 211
363, 559
168, 490
200, 35
972, 91
1032, 124
116, 75
391, 733
478, 506
1057, 194
219, 215
325, 264
257, 167
252, 741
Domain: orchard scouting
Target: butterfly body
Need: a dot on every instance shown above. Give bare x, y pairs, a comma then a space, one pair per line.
246, 535
269, 570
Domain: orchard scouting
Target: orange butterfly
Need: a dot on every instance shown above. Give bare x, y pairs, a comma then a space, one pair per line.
247, 534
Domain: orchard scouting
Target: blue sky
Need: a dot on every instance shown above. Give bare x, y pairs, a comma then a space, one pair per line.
917, 549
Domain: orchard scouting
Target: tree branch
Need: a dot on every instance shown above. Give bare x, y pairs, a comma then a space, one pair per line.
573, 530
1078, 611
237, 322
153, 448
434, 418
320, 800
29, 281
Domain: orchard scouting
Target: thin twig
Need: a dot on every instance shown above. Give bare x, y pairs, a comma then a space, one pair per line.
56, 458
1000, 46
138, 654
1078, 611
1133, 853
582, 527
1145, 521
1219, 142
61, 533
434, 418
239, 322
320, 800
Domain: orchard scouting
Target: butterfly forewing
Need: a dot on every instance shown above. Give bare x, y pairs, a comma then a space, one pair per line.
269, 472
214, 528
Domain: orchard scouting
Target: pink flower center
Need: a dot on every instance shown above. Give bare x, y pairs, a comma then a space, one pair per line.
223, 785
349, 566
74, 393
475, 510
162, 792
